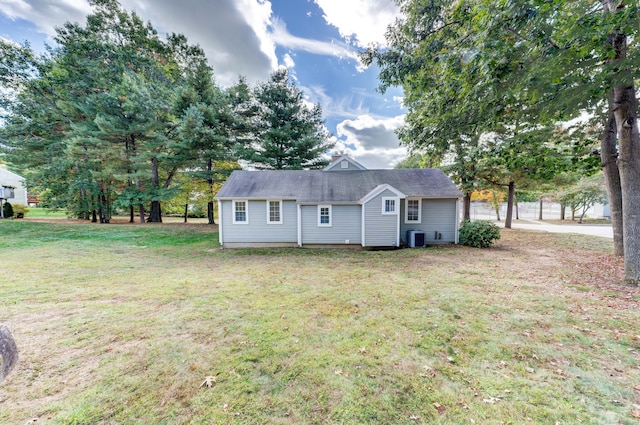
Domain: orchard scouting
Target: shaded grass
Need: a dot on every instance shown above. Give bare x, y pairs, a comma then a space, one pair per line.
122, 324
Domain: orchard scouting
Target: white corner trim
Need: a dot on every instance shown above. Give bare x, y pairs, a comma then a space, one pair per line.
220, 238
299, 225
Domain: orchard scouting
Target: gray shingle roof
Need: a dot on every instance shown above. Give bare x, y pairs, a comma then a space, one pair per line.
333, 186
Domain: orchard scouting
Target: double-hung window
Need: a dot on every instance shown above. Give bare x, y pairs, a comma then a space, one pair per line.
413, 211
274, 212
389, 205
324, 215
240, 212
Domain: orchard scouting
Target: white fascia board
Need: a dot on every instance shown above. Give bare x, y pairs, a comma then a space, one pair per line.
378, 190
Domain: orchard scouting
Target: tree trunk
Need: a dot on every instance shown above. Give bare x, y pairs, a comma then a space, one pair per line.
509, 218
155, 214
210, 216
517, 210
138, 182
210, 213
609, 158
131, 214
625, 110
563, 210
466, 206
141, 212
540, 213
186, 211
625, 104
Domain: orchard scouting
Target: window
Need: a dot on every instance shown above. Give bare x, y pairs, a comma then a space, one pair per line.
274, 212
389, 205
240, 212
324, 215
413, 210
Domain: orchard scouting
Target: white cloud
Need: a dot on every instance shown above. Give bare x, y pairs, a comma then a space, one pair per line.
239, 37
372, 141
288, 61
338, 49
362, 21
46, 14
233, 33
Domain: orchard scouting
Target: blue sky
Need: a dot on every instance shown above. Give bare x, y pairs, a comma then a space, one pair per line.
317, 40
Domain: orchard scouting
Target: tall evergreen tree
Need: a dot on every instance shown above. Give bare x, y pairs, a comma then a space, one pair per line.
287, 133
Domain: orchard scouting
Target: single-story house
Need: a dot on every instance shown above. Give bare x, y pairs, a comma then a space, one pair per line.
12, 188
342, 205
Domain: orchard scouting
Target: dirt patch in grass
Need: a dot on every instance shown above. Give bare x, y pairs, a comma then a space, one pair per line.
154, 324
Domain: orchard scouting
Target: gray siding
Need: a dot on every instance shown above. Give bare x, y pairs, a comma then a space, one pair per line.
380, 229
438, 215
258, 230
345, 225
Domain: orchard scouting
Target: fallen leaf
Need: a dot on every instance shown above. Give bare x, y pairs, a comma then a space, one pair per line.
439, 407
635, 414
208, 382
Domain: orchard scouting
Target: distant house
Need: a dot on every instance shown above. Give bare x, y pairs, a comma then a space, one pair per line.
12, 187
343, 205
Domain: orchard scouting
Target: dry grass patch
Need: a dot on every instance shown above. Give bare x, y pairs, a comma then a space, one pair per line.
137, 324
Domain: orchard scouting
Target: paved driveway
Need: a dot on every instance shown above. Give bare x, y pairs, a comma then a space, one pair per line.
602, 230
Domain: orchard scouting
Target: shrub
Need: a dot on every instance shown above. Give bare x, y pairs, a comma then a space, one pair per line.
20, 210
479, 234
7, 210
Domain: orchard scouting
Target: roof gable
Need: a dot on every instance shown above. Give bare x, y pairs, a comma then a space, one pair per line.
337, 164
378, 190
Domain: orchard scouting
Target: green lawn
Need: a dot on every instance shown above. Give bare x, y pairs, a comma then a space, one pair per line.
154, 324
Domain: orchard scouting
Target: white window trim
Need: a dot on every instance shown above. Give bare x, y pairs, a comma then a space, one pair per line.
395, 205
320, 207
406, 211
269, 211
233, 211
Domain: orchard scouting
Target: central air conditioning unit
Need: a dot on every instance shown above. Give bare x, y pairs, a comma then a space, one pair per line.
416, 239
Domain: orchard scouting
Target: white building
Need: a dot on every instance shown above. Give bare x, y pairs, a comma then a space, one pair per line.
11, 180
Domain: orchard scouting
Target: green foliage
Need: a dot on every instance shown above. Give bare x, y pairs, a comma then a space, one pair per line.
7, 210
20, 210
486, 83
479, 233
286, 134
583, 195
112, 116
